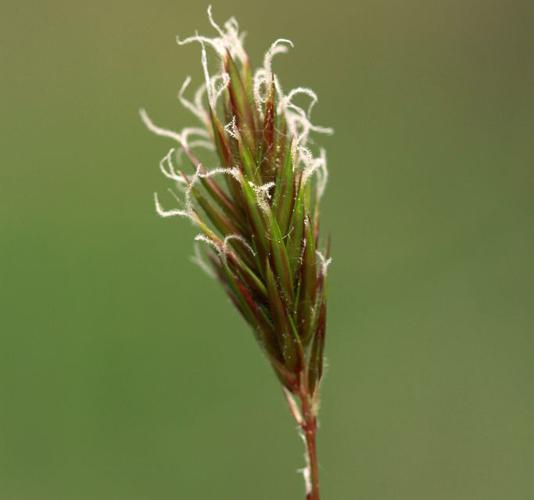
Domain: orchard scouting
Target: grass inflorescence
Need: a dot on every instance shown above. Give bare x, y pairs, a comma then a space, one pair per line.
257, 211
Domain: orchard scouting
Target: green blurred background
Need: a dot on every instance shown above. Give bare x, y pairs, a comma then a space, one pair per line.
124, 372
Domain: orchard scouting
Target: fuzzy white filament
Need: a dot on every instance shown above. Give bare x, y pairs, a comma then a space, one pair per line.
231, 129
214, 24
150, 125
188, 210
175, 212
313, 166
180, 137
213, 42
167, 169
277, 47
225, 81
222, 247
236, 237
196, 106
209, 242
230, 38
262, 194
264, 77
209, 83
324, 262
300, 125
296, 91
259, 84
201, 174
323, 179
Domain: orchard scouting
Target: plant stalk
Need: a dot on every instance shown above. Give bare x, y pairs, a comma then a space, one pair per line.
313, 465
306, 418
308, 425
309, 430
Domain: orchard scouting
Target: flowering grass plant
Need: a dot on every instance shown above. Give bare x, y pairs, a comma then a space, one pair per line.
257, 211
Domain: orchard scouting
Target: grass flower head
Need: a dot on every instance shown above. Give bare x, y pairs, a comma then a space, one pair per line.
257, 210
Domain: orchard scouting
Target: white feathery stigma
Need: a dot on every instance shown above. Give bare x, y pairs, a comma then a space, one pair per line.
324, 262
262, 194
236, 237
194, 107
231, 129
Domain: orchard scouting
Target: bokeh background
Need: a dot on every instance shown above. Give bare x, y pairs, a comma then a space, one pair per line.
125, 374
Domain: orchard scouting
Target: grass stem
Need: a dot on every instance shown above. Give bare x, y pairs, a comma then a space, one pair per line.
309, 430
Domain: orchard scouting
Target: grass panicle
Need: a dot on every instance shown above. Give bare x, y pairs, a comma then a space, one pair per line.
257, 211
